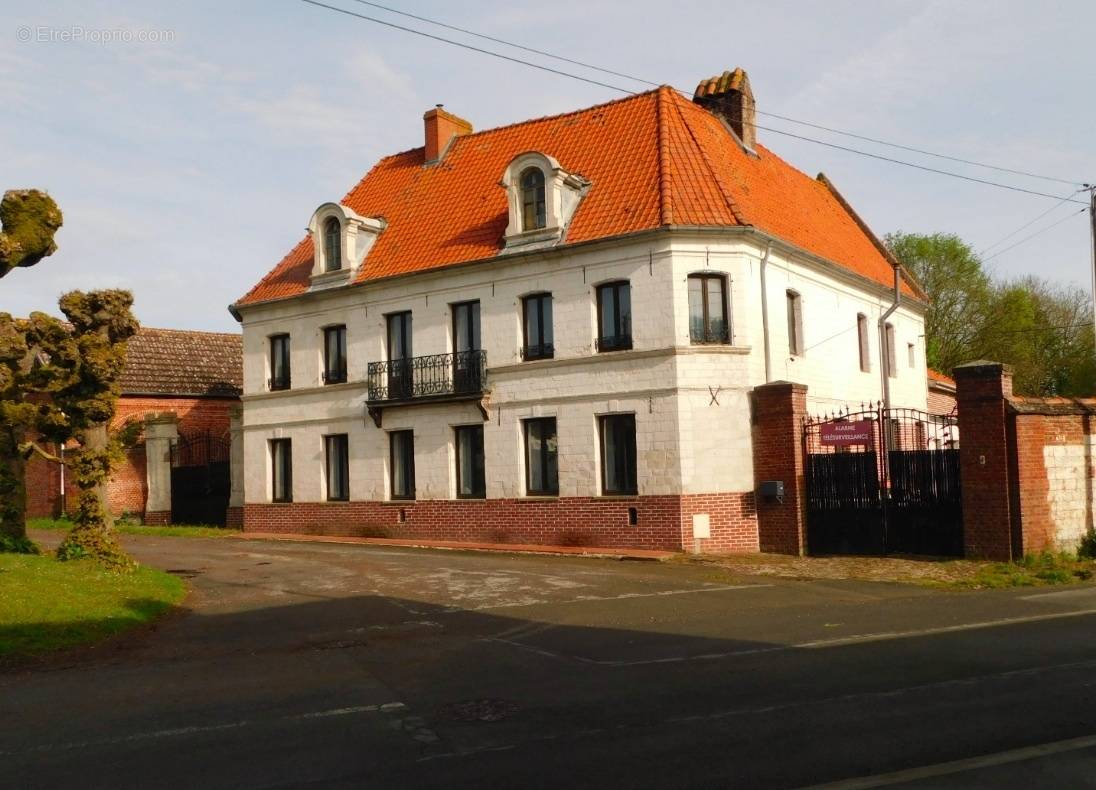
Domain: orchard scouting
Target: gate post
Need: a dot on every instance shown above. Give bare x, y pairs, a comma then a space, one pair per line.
234, 518
985, 459
779, 409
160, 431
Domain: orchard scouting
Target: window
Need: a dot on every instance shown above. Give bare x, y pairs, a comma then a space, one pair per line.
795, 324
541, 457
471, 482
892, 361
400, 378
618, 454
337, 454
279, 362
862, 336
403, 464
334, 354
912, 352
532, 199
536, 325
281, 462
708, 309
466, 347
332, 246
614, 316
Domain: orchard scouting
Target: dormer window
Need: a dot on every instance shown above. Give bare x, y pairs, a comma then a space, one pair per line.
332, 245
341, 239
542, 198
532, 199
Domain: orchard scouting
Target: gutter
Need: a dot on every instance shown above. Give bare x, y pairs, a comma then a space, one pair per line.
883, 355
765, 314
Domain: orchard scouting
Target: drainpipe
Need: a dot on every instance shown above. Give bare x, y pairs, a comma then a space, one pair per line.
765, 315
883, 336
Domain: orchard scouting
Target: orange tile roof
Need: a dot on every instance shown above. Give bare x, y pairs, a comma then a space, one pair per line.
941, 378
654, 159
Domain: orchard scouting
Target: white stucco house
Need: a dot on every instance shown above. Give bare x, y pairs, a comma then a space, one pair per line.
549, 332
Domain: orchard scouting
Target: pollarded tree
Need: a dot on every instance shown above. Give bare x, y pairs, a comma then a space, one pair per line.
29, 221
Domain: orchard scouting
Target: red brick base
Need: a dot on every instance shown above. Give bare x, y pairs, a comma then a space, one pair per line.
157, 517
662, 522
234, 518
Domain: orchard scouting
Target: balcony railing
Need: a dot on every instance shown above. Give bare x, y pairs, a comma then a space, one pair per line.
613, 343
435, 376
715, 332
542, 351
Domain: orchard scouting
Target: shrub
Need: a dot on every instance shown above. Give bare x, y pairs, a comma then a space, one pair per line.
1087, 548
24, 545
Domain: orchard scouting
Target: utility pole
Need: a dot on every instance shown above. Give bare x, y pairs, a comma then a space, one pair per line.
1092, 222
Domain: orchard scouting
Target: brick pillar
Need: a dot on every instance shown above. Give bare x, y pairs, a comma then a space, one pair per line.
235, 516
778, 412
986, 461
160, 431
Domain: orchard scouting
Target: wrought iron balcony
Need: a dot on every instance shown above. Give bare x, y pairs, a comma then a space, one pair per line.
714, 333
613, 343
542, 351
435, 377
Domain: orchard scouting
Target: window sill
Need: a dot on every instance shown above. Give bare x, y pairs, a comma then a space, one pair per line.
618, 496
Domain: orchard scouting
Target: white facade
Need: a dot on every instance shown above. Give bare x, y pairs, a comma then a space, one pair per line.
691, 402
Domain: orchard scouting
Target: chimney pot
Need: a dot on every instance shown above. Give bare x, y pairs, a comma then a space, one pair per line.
729, 96
441, 127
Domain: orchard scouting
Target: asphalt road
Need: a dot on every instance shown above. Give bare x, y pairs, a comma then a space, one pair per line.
318, 665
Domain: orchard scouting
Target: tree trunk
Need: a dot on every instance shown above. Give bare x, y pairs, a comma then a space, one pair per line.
93, 533
13, 491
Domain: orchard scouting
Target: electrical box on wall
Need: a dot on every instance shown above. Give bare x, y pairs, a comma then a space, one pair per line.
772, 490
702, 525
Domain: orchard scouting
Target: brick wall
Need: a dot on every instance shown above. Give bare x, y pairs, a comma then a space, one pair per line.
940, 402
1027, 466
778, 412
661, 521
128, 489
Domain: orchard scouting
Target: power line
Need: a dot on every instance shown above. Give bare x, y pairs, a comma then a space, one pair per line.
465, 46
562, 73
1036, 233
1028, 224
504, 42
652, 83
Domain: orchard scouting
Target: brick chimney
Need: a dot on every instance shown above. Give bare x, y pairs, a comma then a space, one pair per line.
729, 96
441, 128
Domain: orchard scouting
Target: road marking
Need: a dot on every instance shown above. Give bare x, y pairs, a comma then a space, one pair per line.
175, 732
817, 644
621, 597
961, 766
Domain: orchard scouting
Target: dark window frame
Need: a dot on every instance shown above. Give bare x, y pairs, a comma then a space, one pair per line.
534, 199
281, 464
276, 342
479, 476
332, 245
341, 443
337, 373
400, 374
540, 349
551, 490
621, 339
408, 459
631, 483
710, 337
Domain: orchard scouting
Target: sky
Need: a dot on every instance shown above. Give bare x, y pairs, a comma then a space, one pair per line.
188, 144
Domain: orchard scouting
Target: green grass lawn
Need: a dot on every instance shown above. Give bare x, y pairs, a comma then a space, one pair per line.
172, 531
46, 604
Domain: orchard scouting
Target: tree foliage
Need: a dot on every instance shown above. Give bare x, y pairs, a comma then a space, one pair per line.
29, 219
1043, 330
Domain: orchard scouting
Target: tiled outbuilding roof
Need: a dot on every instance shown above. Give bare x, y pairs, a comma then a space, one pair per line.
181, 362
654, 160
936, 377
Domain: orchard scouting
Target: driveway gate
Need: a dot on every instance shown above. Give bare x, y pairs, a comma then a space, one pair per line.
200, 480
883, 481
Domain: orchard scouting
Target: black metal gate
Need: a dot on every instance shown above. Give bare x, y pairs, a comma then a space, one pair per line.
883, 481
200, 479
